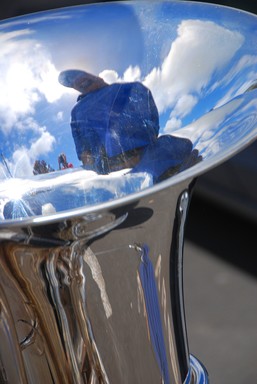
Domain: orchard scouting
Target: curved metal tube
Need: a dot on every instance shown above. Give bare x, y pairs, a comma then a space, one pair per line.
129, 106
100, 306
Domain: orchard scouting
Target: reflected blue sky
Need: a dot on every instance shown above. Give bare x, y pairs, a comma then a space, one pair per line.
193, 61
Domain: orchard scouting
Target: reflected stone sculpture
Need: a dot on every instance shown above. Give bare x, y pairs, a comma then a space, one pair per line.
108, 114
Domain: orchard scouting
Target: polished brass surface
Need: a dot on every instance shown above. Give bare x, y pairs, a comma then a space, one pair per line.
80, 312
108, 113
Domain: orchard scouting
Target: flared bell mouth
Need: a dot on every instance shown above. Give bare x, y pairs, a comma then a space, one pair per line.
94, 114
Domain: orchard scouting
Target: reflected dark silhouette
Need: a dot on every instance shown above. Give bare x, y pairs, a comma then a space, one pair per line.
40, 167
116, 127
63, 163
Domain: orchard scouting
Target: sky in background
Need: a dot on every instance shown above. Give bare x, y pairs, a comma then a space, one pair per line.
192, 60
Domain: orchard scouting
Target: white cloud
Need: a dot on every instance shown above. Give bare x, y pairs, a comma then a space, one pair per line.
238, 82
200, 49
23, 158
21, 165
48, 84
172, 124
204, 132
42, 145
188, 67
131, 74
26, 75
183, 106
246, 61
110, 76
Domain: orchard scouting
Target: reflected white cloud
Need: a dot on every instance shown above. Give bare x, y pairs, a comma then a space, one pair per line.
184, 104
208, 133
131, 74
42, 145
172, 124
246, 61
239, 78
200, 49
184, 65
23, 158
27, 76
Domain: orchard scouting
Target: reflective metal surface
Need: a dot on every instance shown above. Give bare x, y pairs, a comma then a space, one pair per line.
108, 113
90, 299
154, 75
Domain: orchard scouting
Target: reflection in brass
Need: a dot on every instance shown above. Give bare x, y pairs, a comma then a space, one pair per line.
74, 309
52, 312
108, 113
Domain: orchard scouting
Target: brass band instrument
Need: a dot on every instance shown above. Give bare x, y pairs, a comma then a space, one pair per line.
91, 266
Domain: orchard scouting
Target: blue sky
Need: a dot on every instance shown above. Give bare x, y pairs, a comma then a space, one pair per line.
190, 63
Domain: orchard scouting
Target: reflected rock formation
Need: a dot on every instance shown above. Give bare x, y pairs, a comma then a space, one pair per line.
108, 113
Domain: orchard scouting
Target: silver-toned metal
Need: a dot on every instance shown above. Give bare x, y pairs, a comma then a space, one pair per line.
99, 307
199, 374
108, 113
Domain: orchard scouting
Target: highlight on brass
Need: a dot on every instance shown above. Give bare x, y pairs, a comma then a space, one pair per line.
92, 111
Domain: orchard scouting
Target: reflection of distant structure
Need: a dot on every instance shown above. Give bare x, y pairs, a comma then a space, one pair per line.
6, 165
50, 169
116, 127
62, 162
40, 167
